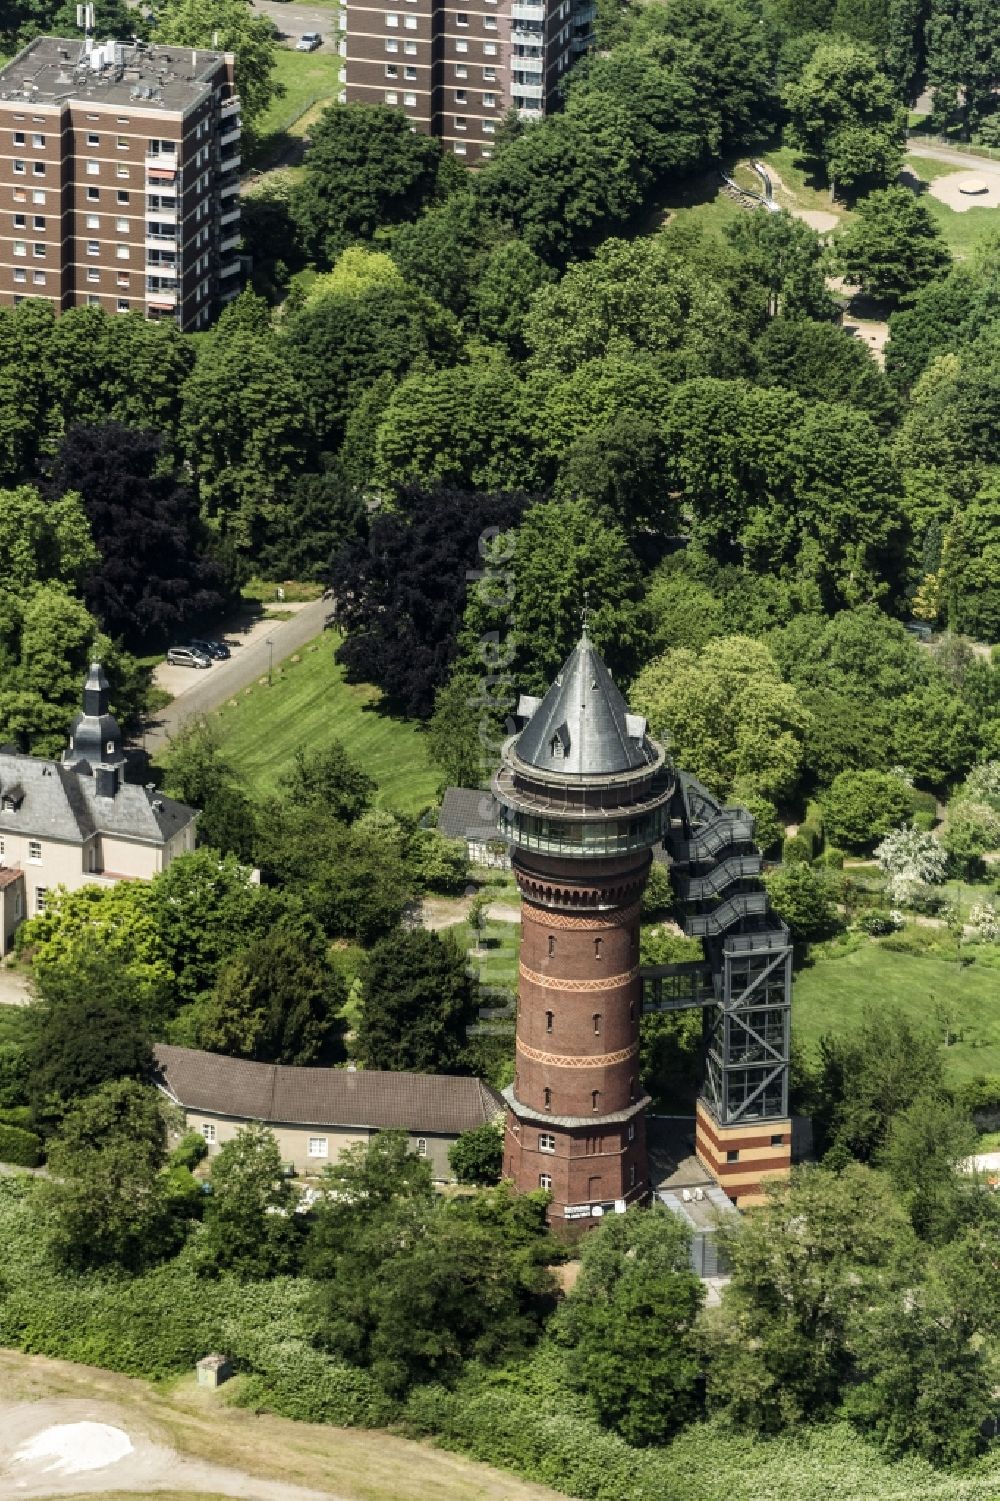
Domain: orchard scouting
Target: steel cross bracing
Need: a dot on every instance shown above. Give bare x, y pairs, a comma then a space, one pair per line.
744, 988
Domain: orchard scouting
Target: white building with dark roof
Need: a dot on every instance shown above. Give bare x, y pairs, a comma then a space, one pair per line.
316, 1113
77, 821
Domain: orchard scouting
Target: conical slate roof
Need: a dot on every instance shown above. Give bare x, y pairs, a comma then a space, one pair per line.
583, 726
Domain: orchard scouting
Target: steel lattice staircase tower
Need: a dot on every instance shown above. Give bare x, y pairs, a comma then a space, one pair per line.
584, 795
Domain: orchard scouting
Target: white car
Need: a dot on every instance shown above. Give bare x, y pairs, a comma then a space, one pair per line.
308, 41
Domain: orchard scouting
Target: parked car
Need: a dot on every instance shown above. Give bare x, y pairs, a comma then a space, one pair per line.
919, 628
309, 41
218, 651
187, 656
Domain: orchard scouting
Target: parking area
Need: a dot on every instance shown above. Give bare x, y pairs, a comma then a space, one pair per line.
293, 20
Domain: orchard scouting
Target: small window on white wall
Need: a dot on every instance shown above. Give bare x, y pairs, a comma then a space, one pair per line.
208, 1131
34, 851
319, 1146
421, 1146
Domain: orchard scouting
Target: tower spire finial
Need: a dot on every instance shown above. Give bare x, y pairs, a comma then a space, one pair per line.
585, 613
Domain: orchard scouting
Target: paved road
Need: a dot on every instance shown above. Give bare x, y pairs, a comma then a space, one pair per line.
212, 688
967, 159
292, 20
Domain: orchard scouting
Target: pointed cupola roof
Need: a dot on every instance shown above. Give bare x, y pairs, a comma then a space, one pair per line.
583, 727
95, 735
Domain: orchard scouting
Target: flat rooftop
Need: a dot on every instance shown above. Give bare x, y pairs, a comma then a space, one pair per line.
53, 70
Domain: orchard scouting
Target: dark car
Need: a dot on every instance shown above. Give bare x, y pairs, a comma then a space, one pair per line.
217, 650
187, 656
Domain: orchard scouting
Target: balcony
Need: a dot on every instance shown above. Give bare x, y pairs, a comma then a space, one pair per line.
161, 296
527, 36
161, 165
584, 15
527, 10
227, 189
230, 163
231, 242
161, 242
230, 268
529, 112
531, 94
231, 216
161, 215
159, 268
230, 136
230, 107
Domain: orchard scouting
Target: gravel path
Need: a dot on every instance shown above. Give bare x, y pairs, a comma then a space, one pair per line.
146, 1468
14, 989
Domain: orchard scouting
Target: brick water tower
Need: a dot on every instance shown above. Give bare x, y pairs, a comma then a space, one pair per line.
583, 796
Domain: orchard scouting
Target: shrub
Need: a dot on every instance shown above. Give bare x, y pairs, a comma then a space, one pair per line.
477, 1155
19, 1147
832, 859
189, 1151
924, 821
861, 806
909, 860
658, 896
879, 924
16, 1115
797, 849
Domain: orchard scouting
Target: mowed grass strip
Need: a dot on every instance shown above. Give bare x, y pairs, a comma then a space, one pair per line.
308, 705
830, 996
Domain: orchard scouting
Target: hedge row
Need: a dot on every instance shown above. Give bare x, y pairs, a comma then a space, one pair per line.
18, 1147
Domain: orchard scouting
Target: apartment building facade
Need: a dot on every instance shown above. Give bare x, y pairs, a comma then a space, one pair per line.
456, 67
119, 179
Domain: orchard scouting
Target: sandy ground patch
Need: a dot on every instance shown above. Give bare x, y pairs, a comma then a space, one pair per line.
67, 1447
817, 219
871, 332
437, 912
14, 990
949, 190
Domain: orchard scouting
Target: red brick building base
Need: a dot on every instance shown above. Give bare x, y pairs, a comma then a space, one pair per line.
741, 1158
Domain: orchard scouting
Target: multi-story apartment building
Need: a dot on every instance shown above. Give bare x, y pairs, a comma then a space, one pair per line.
119, 178
457, 66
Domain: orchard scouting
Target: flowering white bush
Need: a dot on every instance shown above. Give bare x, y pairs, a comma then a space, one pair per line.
910, 859
983, 783
985, 919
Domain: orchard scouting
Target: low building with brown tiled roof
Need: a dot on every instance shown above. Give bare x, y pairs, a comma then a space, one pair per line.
316, 1112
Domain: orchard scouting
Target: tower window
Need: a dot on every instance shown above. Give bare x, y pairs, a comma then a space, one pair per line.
557, 748
548, 1021
732, 1156
598, 943
546, 1142
595, 1099
597, 1024
631, 1088
631, 1131
631, 1176
545, 1180
631, 1011
548, 1099
552, 945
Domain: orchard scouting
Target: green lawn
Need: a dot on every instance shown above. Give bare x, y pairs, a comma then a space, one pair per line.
310, 704
307, 77
830, 995
497, 961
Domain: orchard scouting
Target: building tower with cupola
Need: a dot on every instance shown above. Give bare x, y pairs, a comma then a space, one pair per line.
583, 794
